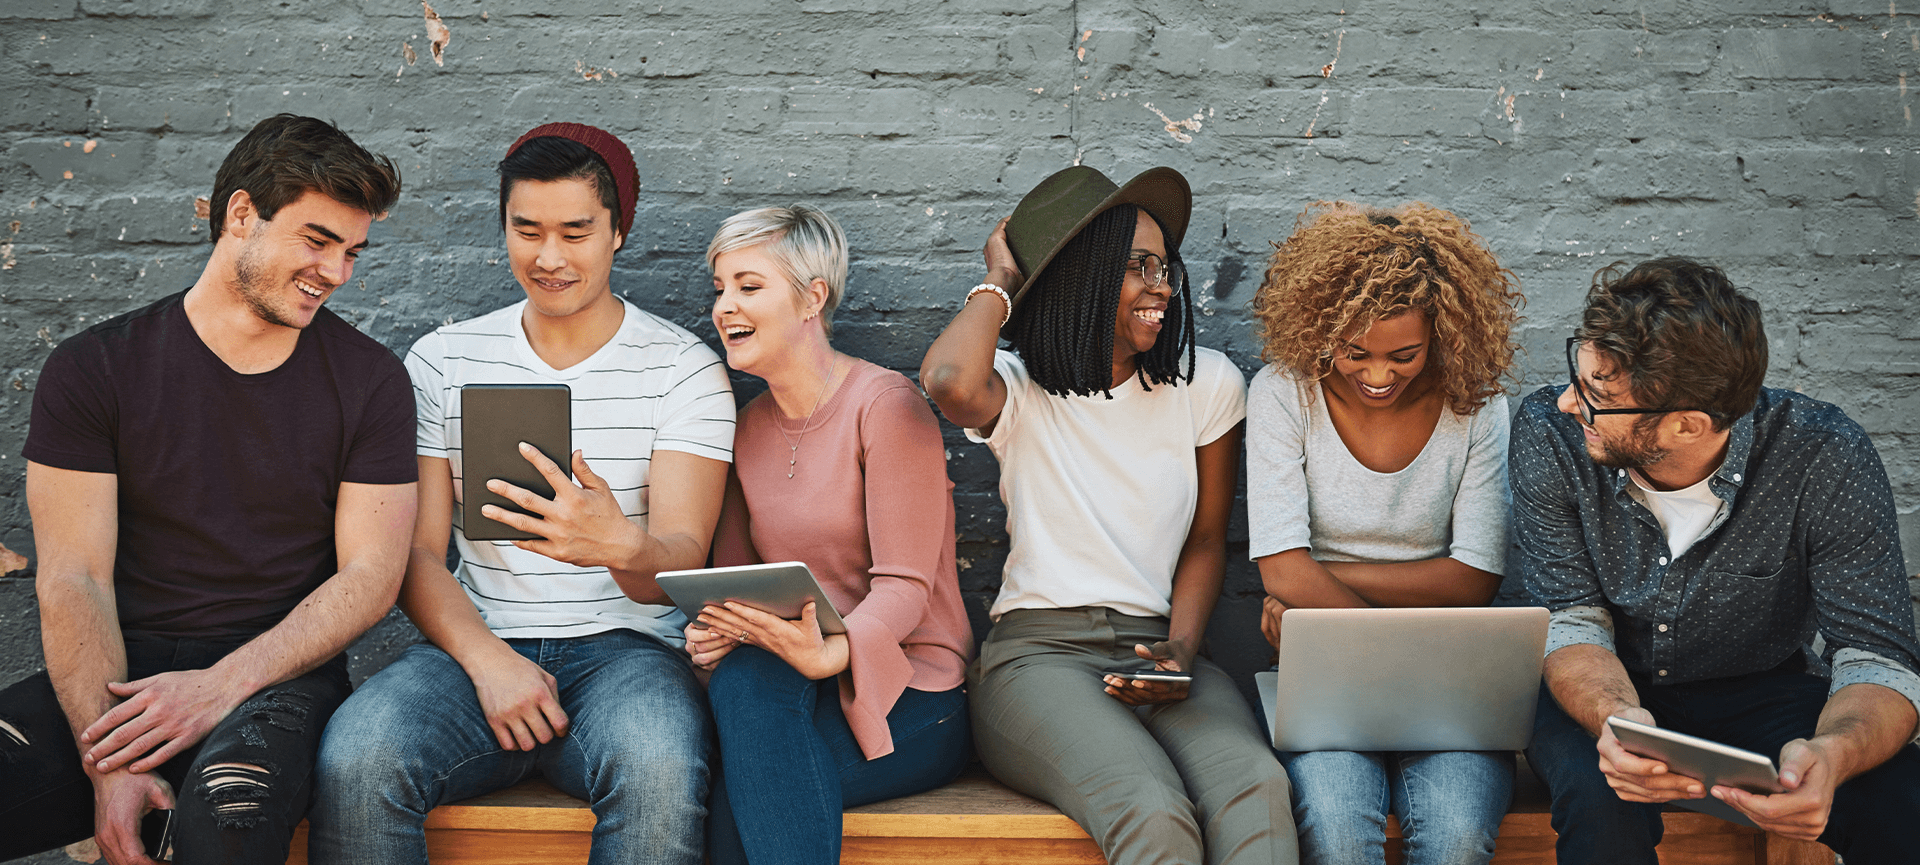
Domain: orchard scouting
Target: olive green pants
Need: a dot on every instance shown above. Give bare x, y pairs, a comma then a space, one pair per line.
1185, 782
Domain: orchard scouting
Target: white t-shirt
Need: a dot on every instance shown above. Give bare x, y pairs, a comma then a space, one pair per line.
1100, 493
1684, 514
1305, 489
653, 386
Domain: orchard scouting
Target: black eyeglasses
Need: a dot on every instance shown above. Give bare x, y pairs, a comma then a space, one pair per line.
1587, 410
1154, 270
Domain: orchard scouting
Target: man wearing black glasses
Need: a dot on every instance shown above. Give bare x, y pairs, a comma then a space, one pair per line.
1695, 535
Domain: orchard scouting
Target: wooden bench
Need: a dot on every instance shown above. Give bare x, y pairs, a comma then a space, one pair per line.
977, 820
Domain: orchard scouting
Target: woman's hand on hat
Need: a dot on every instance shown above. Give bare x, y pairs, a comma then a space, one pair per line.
1002, 270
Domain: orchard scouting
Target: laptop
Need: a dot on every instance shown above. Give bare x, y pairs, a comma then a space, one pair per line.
1405, 679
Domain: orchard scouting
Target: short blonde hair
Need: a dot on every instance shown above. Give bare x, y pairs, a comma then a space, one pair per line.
803, 241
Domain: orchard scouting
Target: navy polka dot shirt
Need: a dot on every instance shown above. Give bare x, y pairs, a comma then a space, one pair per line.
1806, 543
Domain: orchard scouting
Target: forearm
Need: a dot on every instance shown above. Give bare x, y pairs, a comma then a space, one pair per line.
432, 598
1862, 726
1589, 684
1441, 582
322, 626
1297, 580
648, 556
1196, 589
80, 636
957, 371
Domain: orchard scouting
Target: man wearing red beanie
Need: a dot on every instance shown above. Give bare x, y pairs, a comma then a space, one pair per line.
558, 654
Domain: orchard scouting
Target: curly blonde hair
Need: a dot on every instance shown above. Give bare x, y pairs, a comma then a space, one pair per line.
1347, 266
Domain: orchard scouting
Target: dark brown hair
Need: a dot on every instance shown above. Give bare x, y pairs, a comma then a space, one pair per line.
287, 156
1687, 339
1347, 266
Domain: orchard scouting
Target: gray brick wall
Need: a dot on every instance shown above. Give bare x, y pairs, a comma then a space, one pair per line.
1777, 140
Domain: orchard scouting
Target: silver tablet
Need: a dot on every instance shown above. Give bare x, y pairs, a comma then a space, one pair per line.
780, 588
1704, 759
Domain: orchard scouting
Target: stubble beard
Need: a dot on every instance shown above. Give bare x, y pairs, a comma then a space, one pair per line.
1635, 452
250, 282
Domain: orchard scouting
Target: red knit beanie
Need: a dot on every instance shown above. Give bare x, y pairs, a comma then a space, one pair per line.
619, 160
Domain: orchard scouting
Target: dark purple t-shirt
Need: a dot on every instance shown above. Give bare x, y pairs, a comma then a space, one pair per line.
227, 482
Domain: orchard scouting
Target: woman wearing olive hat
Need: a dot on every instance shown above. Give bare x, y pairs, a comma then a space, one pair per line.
1118, 442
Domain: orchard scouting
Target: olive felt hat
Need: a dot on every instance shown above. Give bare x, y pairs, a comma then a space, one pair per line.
1061, 205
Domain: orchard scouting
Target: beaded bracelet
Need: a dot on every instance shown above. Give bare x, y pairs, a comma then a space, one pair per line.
1006, 301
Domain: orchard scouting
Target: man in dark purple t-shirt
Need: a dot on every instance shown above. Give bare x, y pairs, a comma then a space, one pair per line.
222, 489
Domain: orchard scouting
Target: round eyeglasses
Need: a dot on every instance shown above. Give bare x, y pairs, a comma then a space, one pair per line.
1154, 271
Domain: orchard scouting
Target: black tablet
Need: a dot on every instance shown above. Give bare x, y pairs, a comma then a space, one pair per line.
494, 420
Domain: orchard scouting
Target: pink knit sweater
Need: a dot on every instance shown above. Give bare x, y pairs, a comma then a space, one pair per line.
869, 509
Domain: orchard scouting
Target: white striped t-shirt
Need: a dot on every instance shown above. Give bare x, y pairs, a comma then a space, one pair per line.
653, 386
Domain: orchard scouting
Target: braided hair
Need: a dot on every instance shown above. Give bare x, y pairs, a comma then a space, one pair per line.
1064, 331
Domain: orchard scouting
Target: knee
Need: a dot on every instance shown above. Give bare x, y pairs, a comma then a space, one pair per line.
750, 672
1339, 834
234, 795
366, 755
1449, 837
651, 776
1156, 818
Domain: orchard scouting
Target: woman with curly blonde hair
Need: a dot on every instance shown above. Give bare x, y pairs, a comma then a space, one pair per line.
1376, 468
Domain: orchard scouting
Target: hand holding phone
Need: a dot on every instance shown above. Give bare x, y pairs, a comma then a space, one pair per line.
156, 834
1147, 674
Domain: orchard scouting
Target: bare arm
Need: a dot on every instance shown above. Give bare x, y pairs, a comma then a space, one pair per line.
685, 506
521, 700
1197, 575
583, 525
165, 714
1862, 726
1590, 685
958, 369
1298, 580
76, 527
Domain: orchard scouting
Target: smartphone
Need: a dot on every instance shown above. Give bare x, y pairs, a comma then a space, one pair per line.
156, 835
494, 420
1148, 674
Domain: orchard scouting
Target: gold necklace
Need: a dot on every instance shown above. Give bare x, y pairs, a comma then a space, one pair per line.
793, 445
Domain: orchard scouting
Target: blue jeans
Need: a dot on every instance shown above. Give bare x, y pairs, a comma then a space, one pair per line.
1450, 804
414, 737
1873, 814
48, 800
789, 763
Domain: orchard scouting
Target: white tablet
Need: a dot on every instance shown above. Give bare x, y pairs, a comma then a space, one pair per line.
1702, 759
780, 588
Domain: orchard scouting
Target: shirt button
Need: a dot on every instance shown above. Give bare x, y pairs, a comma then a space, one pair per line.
1663, 629
1663, 560
1623, 473
1663, 672
1736, 477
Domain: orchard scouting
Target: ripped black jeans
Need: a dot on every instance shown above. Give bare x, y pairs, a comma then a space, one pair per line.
225, 811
